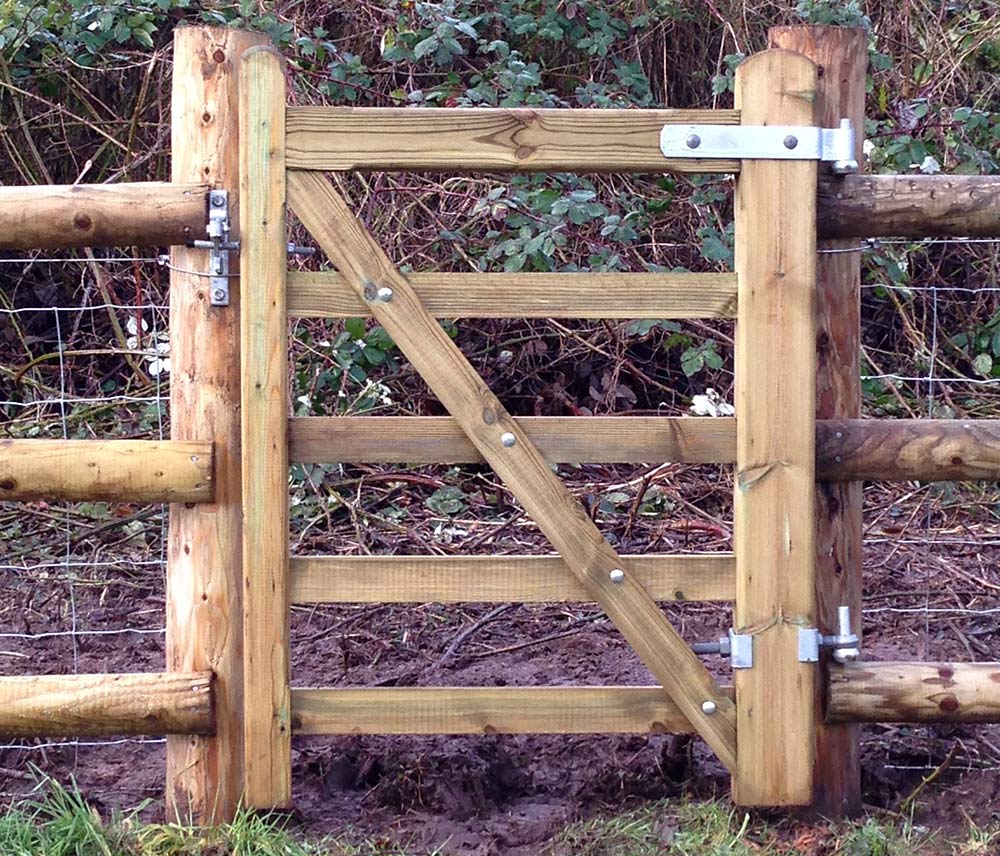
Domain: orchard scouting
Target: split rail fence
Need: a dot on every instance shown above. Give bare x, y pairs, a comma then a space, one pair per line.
786, 728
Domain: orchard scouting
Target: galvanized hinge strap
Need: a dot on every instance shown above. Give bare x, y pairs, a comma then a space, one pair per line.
763, 142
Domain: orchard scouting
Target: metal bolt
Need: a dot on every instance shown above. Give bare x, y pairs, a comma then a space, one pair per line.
617, 576
218, 294
218, 200
791, 141
384, 294
693, 141
507, 439
708, 707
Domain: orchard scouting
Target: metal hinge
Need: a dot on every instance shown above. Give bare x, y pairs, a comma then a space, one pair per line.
843, 645
767, 142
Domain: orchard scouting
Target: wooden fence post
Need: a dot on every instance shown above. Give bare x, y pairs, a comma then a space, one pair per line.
773, 509
204, 566
841, 55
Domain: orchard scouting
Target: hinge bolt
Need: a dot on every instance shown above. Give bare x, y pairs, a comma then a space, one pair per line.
693, 141
507, 439
218, 294
708, 707
617, 576
218, 200
791, 141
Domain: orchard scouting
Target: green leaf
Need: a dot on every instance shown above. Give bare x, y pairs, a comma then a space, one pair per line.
356, 327
983, 364
427, 46
446, 500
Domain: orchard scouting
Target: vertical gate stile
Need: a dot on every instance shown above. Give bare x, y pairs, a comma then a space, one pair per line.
267, 712
774, 519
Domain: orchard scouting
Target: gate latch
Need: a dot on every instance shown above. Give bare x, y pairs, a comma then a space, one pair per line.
763, 142
843, 646
219, 246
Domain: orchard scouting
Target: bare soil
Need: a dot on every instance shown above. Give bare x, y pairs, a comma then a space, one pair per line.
510, 794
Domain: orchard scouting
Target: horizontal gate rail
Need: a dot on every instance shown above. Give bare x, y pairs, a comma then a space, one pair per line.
491, 140
531, 295
498, 579
96, 705
487, 710
561, 439
914, 692
108, 470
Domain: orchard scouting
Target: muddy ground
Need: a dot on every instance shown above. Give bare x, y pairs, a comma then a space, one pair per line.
509, 794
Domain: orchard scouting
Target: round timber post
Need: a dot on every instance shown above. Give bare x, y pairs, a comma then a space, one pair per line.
204, 564
841, 55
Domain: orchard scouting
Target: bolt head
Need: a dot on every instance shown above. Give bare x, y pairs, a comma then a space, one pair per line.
218, 294
791, 141
708, 707
218, 200
693, 141
507, 439
617, 576
384, 294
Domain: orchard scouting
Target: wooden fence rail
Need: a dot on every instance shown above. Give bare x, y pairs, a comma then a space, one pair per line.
108, 470
93, 705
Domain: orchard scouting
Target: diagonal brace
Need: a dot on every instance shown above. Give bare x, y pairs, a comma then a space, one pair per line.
505, 446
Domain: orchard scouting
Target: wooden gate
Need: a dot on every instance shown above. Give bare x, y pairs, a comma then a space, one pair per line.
766, 736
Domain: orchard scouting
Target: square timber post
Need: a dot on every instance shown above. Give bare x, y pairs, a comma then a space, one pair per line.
774, 503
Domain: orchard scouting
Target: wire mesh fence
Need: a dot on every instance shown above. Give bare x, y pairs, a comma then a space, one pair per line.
83, 582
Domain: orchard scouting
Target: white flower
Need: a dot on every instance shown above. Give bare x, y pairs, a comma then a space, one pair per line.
868, 147
711, 404
930, 166
156, 354
305, 401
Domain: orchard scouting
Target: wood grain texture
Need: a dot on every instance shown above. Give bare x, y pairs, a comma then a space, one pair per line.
98, 705
773, 513
907, 206
487, 710
908, 449
327, 294
914, 692
264, 360
204, 553
498, 579
522, 468
842, 53
106, 470
560, 439
144, 214
492, 140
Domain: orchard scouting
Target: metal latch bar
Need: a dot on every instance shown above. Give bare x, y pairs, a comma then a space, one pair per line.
766, 142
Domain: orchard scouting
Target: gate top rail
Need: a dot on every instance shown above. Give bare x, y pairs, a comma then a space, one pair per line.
493, 140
